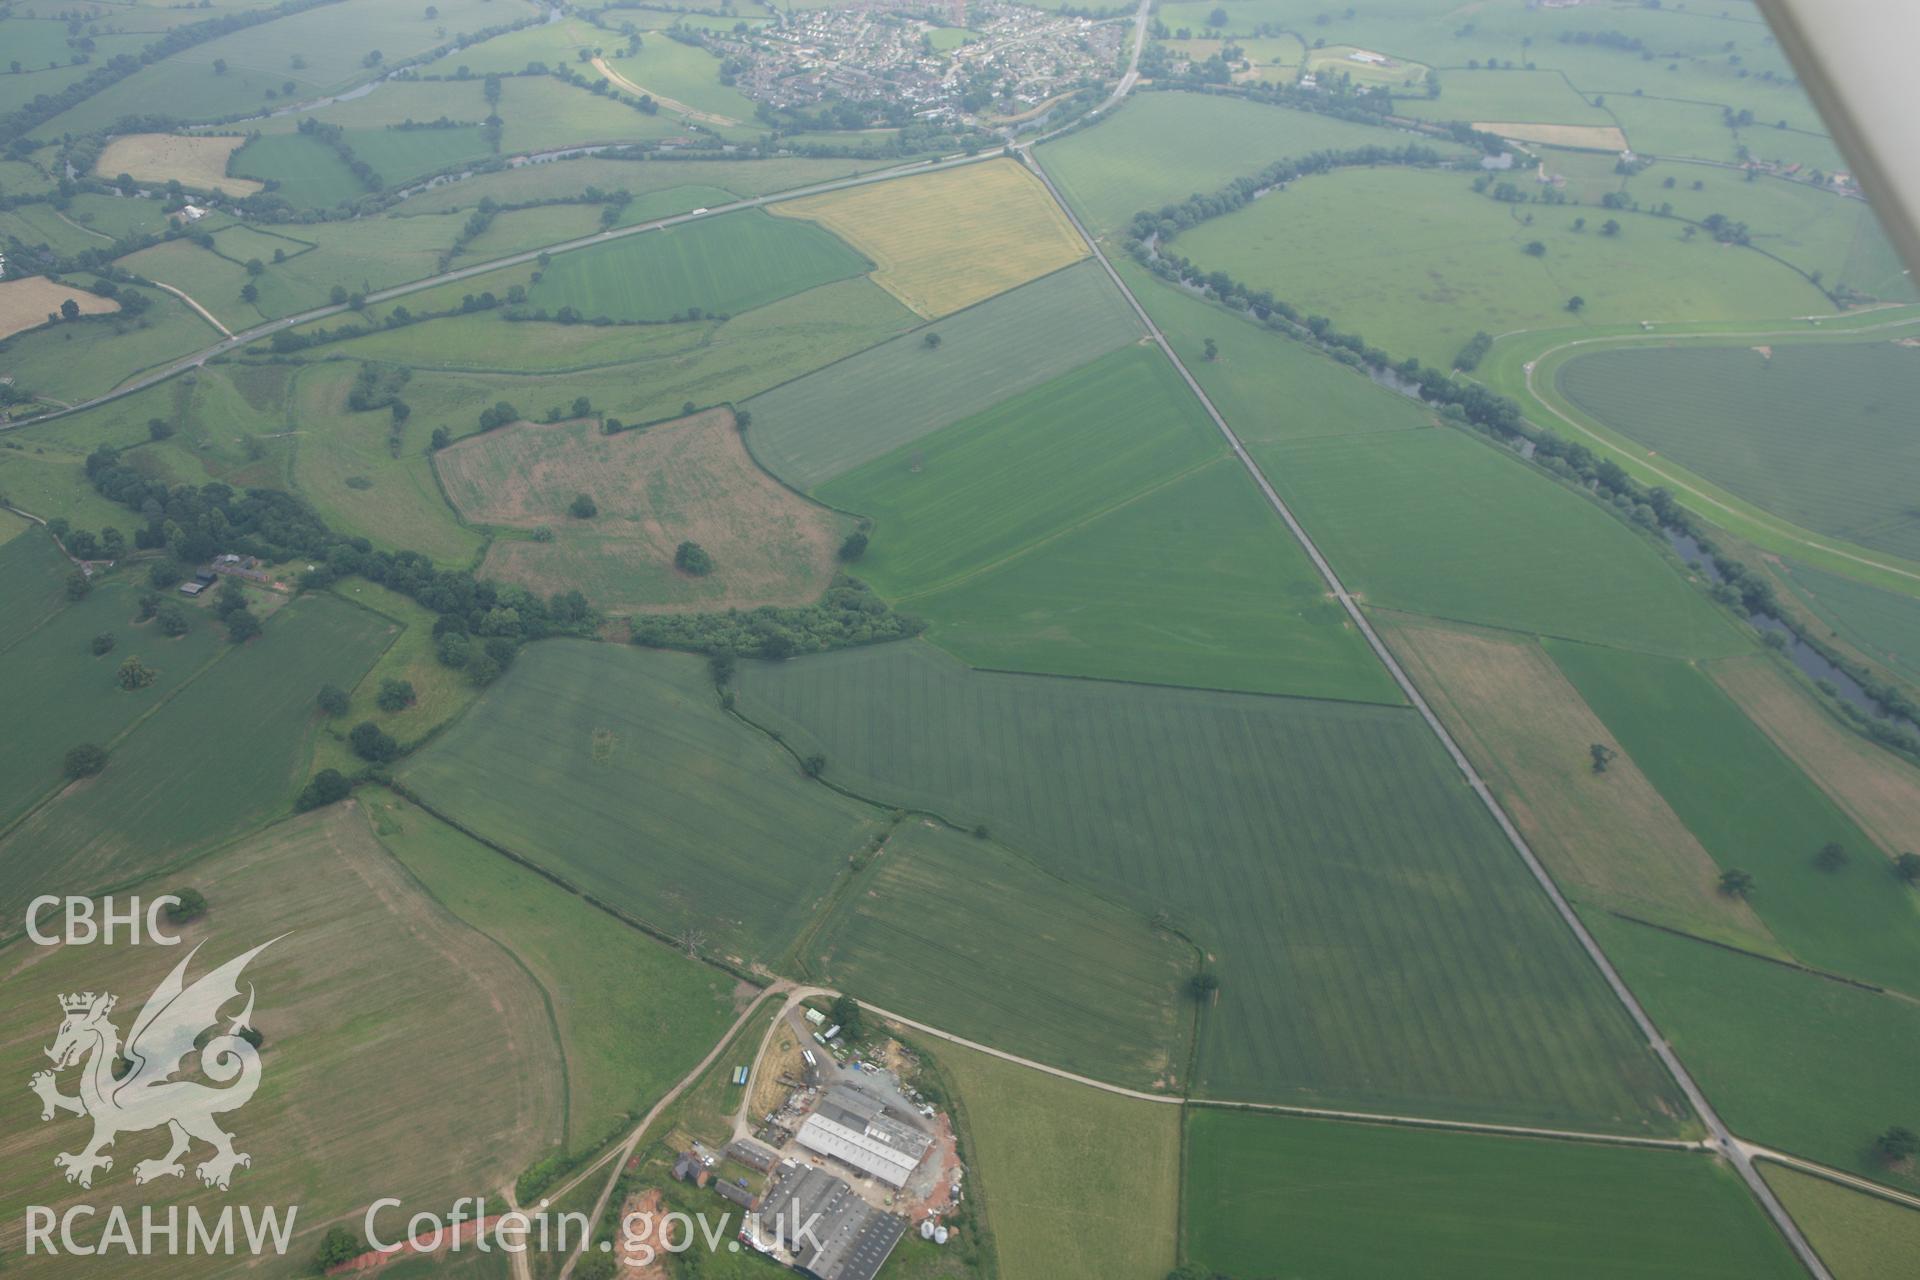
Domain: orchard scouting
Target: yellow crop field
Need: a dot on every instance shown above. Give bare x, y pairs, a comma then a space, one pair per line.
944, 241
25, 304
162, 157
1594, 137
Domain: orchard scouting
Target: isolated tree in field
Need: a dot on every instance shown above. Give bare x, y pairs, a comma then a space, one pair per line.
581, 407
1907, 867
933, 341
691, 557
249, 293
242, 626
102, 643
1579, 224
340, 1245
1610, 228
1576, 304
1896, 1146
332, 700
324, 788
192, 905
854, 547
814, 765
1211, 349
1735, 883
1536, 249
395, 695
1832, 857
158, 428
439, 440
134, 674
69, 310
173, 621
583, 507
1217, 18
84, 760
79, 585
1602, 756
219, 66
372, 743
1204, 986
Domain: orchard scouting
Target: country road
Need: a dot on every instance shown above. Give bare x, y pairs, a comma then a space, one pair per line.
1722, 1136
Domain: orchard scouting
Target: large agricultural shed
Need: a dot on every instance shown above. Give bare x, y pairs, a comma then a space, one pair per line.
855, 1129
846, 1238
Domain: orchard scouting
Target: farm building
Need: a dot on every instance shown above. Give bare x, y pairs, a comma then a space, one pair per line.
753, 1155
856, 1130
846, 1239
735, 1192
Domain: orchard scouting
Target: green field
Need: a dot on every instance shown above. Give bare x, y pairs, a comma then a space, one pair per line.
1378, 949
1150, 152
563, 179
684, 73
227, 752
400, 155
541, 114
1754, 809
1416, 262
1813, 1067
716, 265
1050, 971
439, 692
332, 42
61, 694
32, 574
344, 465
1078, 1184
1350, 1200
1859, 1237
634, 1016
1438, 522
1881, 624
1194, 582
74, 362
813, 429
1270, 388
615, 768
983, 489
403, 1051
1746, 419
1506, 97
1091, 526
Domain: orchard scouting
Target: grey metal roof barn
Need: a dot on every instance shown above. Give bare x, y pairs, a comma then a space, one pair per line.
854, 1128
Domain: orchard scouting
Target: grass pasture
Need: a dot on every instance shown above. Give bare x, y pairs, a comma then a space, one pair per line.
1052, 972
158, 158
1881, 624
439, 692
26, 304
1078, 1184
687, 75
61, 694
74, 362
1801, 1063
719, 266
1752, 808
1144, 157
1357, 1201
229, 751
1417, 262
689, 480
1532, 97
541, 113
634, 1015
1859, 1237
1381, 950
946, 240
1610, 840
1440, 523
32, 578
343, 465
615, 769
813, 429
1743, 417
1878, 789
403, 1050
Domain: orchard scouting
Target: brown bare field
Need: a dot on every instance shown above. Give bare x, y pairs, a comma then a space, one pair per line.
1610, 839
687, 480
1877, 789
943, 241
25, 304
162, 157
405, 1054
1594, 137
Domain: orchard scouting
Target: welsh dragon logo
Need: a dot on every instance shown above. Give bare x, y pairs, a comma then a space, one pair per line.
130, 1089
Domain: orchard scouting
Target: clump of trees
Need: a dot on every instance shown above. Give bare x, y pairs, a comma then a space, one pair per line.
192, 905
325, 788
84, 760
583, 507
332, 700
394, 695
849, 614
1735, 883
